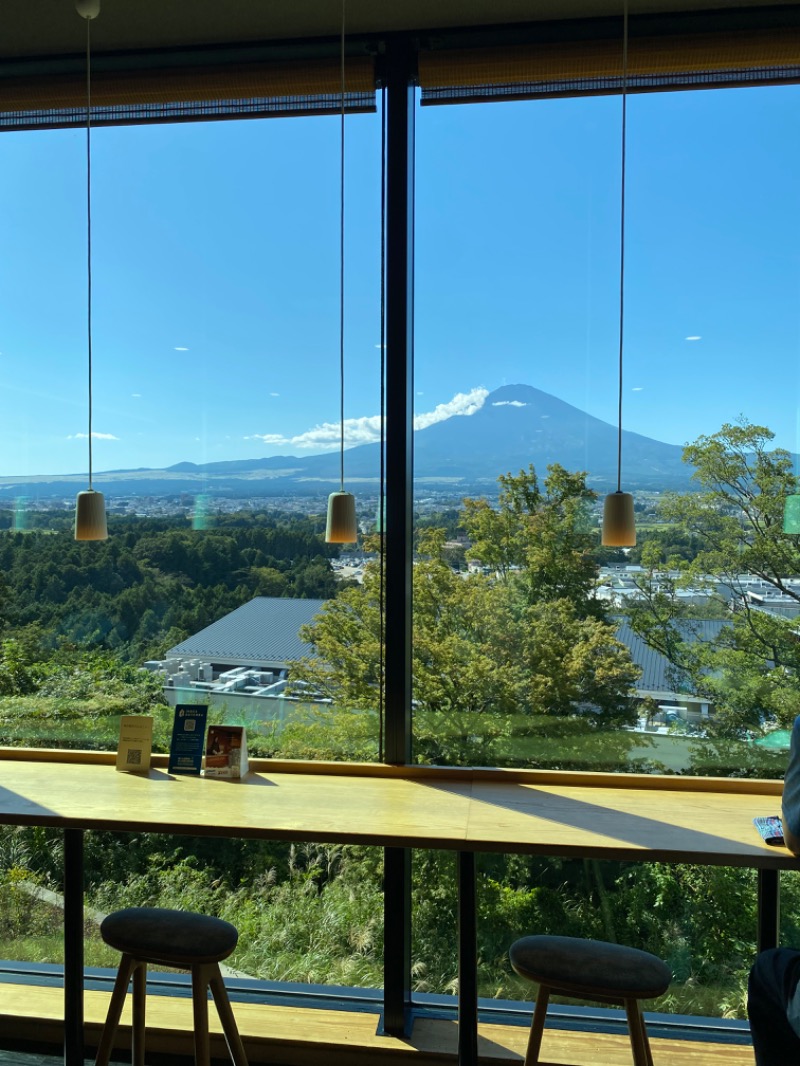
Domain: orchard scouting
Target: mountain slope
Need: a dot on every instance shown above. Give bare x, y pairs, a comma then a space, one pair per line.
517, 425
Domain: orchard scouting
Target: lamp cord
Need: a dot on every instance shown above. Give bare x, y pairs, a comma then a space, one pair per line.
341, 269
89, 224
381, 489
622, 235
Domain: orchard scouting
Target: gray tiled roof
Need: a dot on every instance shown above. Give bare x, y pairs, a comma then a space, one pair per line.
261, 633
658, 675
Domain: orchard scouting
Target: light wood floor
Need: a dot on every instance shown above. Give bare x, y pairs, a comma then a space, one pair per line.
291, 1036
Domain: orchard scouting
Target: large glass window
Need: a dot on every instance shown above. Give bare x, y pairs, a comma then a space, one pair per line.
534, 645
216, 299
216, 433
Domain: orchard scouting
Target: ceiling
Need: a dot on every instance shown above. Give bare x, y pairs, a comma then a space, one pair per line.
49, 28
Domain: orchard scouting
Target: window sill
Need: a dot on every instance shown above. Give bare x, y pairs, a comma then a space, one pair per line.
306, 1036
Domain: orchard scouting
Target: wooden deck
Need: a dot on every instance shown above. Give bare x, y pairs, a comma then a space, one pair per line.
291, 1036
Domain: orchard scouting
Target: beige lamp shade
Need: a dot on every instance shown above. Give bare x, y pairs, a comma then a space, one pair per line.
90, 516
88, 9
342, 527
619, 527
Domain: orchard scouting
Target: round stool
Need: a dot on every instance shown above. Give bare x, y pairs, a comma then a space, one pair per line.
590, 969
180, 939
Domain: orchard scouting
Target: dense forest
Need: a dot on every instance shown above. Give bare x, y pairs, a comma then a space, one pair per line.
150, 585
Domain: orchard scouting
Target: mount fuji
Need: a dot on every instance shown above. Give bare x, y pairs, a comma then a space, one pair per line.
516, 425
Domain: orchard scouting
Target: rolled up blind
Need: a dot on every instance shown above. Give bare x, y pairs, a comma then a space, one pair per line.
594, 66
173, 93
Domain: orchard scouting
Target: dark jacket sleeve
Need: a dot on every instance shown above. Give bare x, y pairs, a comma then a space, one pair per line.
791, 793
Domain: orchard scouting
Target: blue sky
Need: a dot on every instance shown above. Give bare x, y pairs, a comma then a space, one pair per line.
216, 275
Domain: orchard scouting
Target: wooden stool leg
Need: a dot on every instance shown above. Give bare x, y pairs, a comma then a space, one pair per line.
121, 983
638, 1033
139, 997
200, 979
537, 1026
229, 1027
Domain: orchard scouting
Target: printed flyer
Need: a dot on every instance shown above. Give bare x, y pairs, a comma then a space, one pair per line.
188, 735
226, 751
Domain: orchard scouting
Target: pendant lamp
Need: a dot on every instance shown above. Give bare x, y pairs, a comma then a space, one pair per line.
90, 509
619, 528
341, 527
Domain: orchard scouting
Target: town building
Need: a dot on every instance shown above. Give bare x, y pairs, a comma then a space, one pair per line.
241, 660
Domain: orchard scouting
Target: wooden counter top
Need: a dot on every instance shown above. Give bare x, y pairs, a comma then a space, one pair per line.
706, 822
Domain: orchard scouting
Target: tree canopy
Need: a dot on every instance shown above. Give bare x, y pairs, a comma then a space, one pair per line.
749, 671
155, 581
496, 653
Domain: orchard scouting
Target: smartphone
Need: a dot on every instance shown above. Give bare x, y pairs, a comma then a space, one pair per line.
770, 828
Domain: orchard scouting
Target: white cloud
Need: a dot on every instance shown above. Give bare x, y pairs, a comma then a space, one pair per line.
367, 429
326, 434
694, 338
638, 388
136, 395
95, 436
509, 403
180, 349
274, 394
268, 438
463, 403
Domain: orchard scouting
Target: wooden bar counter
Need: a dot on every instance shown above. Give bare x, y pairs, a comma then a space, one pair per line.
634, 817
654, 819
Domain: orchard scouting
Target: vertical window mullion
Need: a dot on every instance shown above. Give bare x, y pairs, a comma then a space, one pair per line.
400, 78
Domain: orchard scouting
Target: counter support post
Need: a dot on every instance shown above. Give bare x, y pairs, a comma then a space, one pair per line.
73, 947
396, 940
467, 961
769, 909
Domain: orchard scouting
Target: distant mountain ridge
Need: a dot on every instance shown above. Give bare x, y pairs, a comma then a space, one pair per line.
517, 425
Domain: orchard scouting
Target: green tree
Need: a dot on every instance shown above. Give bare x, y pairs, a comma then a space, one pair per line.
539, 536
493, 656
749, 671
270, 581
20, 671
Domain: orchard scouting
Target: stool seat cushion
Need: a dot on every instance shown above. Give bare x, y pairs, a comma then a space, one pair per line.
590, 967
169, 937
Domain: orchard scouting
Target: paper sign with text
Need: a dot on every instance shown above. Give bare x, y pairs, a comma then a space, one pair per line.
188, 735
135, 743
